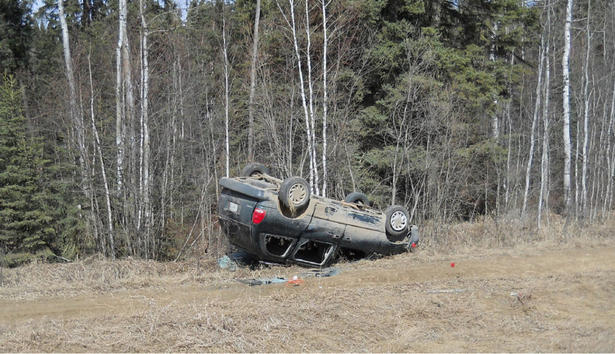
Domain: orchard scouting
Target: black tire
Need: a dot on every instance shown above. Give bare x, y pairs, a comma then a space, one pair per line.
357, 198
397, 223
254, 168
294, 194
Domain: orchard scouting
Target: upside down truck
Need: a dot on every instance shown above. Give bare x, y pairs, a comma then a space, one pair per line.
280, 221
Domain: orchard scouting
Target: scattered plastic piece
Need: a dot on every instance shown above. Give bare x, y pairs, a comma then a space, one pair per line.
295, 281
225, 262
413, 245
263, 281
321, 273
452, 264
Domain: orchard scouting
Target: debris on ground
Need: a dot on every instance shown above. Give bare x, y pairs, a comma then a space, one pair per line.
321, 273
225, 262
296, 280
263, 281
234, 260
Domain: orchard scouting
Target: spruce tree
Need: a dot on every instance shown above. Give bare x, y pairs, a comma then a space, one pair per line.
25, 226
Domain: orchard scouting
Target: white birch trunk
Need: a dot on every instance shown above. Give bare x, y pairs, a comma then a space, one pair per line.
103, 170
308, 60
253, 83
119, 115
610, 151
302, 86
577, 155
566, 105
544, 164
324, 99
226, 97
145, 135
75, 113
509, 145
495, 124
586, 116
533, 131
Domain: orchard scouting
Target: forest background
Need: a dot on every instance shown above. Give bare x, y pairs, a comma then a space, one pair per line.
117, 118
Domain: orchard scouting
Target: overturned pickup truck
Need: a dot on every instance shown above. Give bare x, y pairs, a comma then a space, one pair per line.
280, 221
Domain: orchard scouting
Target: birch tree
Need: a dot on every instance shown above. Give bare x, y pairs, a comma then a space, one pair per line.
530, 158
324, 98
544, 164
103, 170
76, 116
495, 124
226, 94
308, 125
75, 113
308, 61
586, 114
253, 82
566, 105
144, 162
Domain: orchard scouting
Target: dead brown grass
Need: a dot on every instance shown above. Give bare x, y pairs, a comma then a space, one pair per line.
510, 232
554, 293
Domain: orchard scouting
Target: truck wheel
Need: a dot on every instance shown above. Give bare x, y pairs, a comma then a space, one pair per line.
253, 169
294, 194
357, 198
397, 222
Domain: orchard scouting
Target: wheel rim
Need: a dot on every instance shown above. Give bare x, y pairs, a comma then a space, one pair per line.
398, 220
297, 193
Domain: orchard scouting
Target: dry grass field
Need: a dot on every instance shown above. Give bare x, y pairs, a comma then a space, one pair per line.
552, 293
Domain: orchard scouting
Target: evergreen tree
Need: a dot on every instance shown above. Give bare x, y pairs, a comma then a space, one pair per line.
15, 35
25, 226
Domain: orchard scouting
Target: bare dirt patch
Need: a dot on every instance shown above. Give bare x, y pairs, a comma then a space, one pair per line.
545, 298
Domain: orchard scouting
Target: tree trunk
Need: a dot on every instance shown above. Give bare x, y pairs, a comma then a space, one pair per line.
308, 60
75, 113
566, 106
586, 116
103, 170
76, 116
495, 123
544, 164
226, 96
145, 135
253, 83
324, 99
509, 144
291, 24
533, 131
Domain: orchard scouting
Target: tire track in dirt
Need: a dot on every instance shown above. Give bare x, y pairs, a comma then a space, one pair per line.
392, 271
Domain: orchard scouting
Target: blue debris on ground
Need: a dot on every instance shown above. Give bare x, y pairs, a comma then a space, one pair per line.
234, 260
225, 262
316, 273
263, 281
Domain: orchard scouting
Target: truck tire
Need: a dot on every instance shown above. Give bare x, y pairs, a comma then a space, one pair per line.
357, 198
294, 194
397, 222
254, 168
